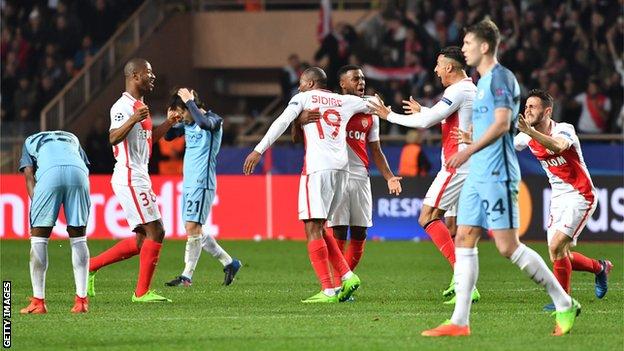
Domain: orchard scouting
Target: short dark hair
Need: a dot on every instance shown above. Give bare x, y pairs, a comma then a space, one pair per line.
487, 31
346, 68
134, 65
454, 53
543, 95
317, 75
175, 101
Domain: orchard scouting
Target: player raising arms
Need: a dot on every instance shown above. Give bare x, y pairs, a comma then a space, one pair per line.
323, 182
132, 136
573, 198
56, 173
454, 110
202, 133
489, 198
362, 130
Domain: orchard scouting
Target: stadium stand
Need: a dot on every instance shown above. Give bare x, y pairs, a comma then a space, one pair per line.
45, 46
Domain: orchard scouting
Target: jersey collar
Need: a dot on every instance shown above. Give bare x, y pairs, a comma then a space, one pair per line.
129, 96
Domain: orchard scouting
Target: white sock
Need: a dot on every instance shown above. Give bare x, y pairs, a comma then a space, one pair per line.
465, 274
80, 263
346, 276
191, 255
209, 244
38, 265
329, 292
534, 266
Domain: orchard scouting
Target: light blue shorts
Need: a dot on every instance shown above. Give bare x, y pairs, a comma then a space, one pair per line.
61, 185
196, 204
491, 205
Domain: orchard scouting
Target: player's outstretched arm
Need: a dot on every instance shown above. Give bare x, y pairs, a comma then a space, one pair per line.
379, 108
118, 135
277, 128
426, 118
555, 144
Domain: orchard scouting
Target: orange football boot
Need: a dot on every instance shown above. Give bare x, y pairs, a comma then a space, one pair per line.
36, 306
81, 305
447, 329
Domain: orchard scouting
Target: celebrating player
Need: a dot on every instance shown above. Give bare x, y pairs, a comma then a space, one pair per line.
454, 110
131, 135
489, 196
323, 182
573, 198
362, 129
202, 134
56, 173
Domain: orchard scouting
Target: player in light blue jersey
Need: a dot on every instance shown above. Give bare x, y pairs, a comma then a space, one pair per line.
489, 197
202, 132
55, 168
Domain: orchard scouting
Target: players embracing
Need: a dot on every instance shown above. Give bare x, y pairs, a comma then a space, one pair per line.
324, 177
352, 220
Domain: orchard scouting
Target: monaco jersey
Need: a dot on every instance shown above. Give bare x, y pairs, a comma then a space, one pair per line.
567, 172
458, 97
362, 129
325, 141
453, 110
133, 153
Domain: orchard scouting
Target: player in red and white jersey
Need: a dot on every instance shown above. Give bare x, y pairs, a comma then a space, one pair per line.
324, 177
573, 199
131, 135
362, 131
453, 111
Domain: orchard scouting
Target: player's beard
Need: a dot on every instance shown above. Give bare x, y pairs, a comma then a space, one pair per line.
537, 120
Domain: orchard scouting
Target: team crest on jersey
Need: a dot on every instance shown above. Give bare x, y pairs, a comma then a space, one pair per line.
118, 117
481, 93
364, 123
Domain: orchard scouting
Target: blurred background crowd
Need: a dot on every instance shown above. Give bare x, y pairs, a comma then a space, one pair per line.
572, 48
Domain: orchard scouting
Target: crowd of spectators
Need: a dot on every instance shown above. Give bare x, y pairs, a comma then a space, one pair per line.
44, 43
571, 48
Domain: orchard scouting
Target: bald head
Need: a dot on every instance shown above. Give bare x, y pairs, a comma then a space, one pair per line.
317, 75
139, 77
135, 65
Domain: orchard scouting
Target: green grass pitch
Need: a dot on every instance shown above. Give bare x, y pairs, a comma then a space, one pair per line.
399, 297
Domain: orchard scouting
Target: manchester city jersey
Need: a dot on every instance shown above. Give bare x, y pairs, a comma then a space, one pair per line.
50, 149
200, 157
498, 161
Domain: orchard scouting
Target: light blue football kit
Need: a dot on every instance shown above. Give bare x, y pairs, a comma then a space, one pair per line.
489, 198
62, 178
203, 141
